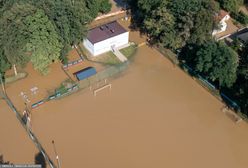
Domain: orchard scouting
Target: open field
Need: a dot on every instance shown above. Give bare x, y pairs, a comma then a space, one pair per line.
154, 116
15, 145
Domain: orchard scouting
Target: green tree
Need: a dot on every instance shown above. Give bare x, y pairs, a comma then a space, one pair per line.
43, 45
105, 6
243, 65
70, 19
203, 26
161, 29
194, 19
93, 6
4, 63
218, 63
13, 36
231, 5
176, 22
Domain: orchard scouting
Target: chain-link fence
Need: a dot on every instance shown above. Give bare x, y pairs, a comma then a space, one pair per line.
106, 74
199, 79
109, 72
30, 133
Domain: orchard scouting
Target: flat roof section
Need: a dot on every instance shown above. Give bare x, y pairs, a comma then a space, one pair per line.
104, 32
243, 37
85, 73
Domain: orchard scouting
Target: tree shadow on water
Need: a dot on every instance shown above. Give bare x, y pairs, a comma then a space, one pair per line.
39, 159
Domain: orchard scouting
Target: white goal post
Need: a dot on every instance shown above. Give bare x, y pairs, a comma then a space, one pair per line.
101, 88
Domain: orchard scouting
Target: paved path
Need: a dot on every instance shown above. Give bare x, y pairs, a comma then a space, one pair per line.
119, 55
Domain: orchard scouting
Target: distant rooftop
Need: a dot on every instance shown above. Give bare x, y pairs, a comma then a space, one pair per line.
222, 14
105, 31
243, 37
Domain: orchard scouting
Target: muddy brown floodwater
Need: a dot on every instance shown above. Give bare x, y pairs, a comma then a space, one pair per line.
15, 145
154, 116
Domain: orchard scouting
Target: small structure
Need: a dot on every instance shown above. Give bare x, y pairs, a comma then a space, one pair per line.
243, 37
85, 73
106, 38
221, 18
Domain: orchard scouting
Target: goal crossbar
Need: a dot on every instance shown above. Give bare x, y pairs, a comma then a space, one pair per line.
101, 88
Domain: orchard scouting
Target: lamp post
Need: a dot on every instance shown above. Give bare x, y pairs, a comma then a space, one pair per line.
2, 84
57, 156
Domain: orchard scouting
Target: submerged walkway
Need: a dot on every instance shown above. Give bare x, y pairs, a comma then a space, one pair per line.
118, 54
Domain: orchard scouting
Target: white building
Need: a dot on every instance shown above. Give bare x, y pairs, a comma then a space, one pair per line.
105, 38
222, 17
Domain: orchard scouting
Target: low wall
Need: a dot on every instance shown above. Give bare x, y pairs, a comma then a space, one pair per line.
70, 64
56, 95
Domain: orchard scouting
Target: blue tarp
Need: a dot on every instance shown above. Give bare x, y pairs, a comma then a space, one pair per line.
85, 73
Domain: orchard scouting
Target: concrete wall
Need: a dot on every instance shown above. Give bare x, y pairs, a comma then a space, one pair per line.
89, 46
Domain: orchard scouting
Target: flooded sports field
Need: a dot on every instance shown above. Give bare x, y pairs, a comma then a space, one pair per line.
15, 145
154, 116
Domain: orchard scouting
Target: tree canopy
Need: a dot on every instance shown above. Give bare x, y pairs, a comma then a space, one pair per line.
218, 63
231, 5
13, 35
175, 23
43, 46
58, 23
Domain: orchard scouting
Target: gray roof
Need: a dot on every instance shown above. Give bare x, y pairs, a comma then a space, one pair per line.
104, 32
243, 37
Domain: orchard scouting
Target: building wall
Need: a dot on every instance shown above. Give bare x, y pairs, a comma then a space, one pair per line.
89, 46
222, 28
226, 18
106, 45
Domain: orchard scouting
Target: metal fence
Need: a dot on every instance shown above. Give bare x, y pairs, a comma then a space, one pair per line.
168, 54
109, 72
30, 133
211, 88
201, 80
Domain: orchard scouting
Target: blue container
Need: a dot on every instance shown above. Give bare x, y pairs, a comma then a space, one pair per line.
85, 73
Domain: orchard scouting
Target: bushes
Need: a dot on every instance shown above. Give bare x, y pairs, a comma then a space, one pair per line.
105, 6
241, 17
